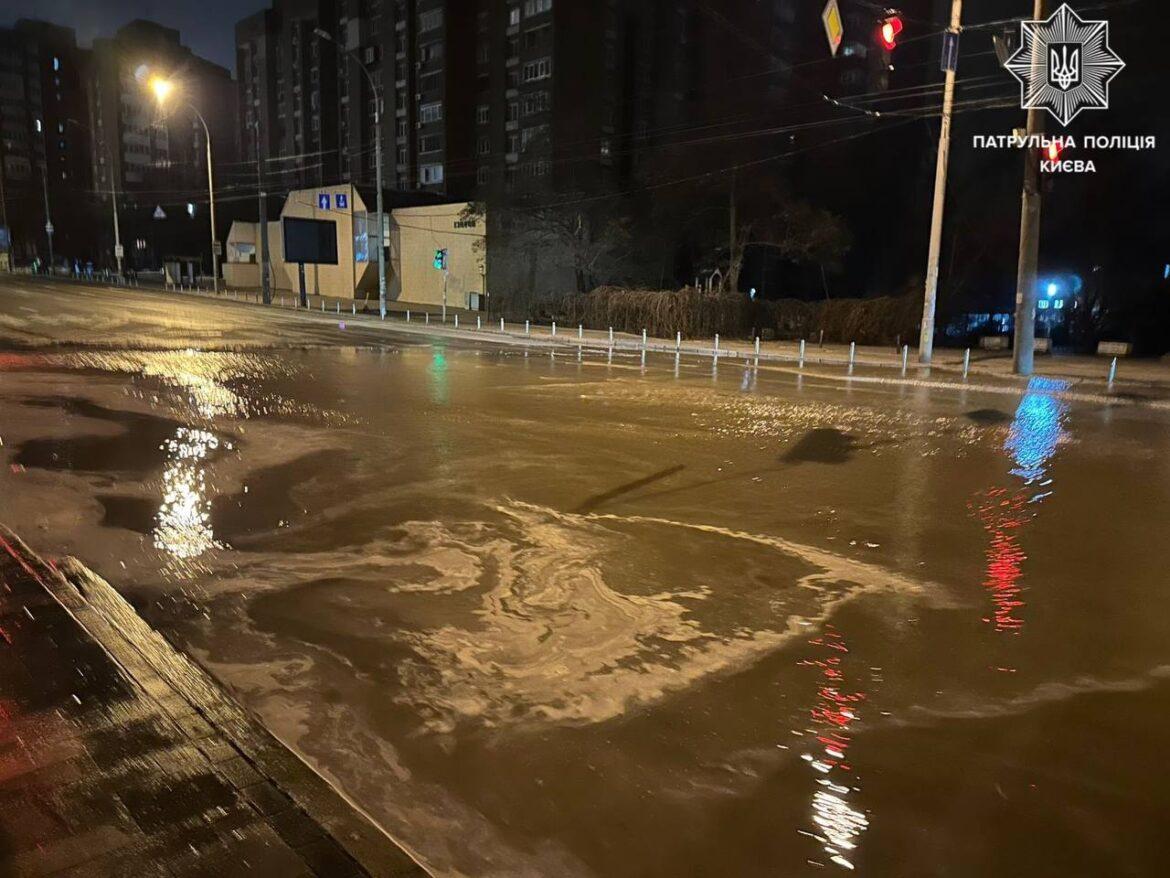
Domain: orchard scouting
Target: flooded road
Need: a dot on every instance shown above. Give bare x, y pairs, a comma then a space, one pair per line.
542, 615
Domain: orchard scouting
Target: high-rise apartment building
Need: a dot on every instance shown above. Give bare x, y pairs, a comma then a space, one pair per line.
140, 145
44, 144
287, 81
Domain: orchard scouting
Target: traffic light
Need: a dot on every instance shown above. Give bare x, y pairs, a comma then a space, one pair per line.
888, 32
1053, 150
440, 259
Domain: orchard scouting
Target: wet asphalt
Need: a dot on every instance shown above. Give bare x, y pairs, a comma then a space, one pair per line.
541, 614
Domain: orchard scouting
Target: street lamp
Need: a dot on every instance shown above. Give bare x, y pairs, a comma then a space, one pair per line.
325, 35
163, 88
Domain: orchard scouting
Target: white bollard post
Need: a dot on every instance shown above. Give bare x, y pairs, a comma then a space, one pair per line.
852, 353
800, 362
427, 316
717, 344
678, 340
554, 329
643, 339
757, 347
966, 362
339, 306
527, 328
1112, 371
456, 321
501, 324
478, 324
905, 357
580, 332
353, 309
322, 304
407, 315
611, 336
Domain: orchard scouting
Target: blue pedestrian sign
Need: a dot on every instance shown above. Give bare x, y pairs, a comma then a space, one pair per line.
342, 201
323, 200
950, 52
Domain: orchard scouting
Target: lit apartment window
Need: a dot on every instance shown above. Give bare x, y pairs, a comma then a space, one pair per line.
430, 174
541, 68
431, 112
481, 114
537, 102
513, 15
430, 20
535, 7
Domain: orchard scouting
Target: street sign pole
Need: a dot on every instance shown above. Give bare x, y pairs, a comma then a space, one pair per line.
930, 298
1024, 344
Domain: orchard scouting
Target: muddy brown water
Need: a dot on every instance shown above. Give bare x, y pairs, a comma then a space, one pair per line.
547, 616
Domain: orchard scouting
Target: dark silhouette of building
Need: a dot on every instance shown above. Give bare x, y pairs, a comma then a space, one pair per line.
43, 141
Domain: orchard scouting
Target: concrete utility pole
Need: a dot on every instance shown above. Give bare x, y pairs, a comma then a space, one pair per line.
1024, 346
48, 218
732, 229
930, 301
117, 232
262, 225
374, 87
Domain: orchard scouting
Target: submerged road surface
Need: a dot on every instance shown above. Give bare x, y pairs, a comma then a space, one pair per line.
542, 615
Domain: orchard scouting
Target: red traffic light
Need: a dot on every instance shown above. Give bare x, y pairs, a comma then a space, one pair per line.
1053, 150
888, 32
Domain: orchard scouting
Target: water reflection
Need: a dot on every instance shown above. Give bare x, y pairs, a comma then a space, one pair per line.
183, 528
838, 824
1032, 440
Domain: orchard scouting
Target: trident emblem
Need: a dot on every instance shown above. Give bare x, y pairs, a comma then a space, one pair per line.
1064, 65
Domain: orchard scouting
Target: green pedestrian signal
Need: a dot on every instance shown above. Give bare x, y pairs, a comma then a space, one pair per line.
441, 259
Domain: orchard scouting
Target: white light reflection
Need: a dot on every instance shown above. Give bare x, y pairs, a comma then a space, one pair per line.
184, 519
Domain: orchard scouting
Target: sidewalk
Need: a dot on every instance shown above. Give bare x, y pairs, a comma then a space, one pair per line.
119, 757
1135, 379
1150, 374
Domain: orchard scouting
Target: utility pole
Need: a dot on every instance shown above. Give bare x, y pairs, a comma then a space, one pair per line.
732, 229
48, 218
117, 232
930, 300
1024, 346
262, 230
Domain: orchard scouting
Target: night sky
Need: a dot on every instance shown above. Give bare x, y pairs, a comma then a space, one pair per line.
207, 26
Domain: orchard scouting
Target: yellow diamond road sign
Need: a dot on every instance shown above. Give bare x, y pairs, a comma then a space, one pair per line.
834, 30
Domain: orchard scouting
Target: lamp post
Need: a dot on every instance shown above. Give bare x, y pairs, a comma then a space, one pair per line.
262, 225
162, 89
325, 35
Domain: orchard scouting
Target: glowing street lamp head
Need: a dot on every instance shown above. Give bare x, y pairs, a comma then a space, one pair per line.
162, 88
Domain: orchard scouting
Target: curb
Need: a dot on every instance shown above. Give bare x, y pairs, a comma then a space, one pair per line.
196, 701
